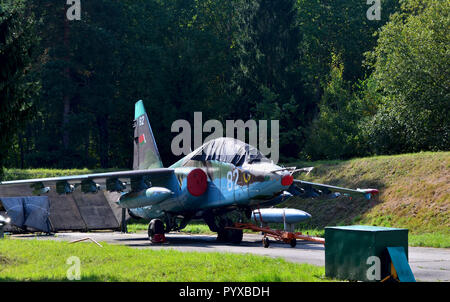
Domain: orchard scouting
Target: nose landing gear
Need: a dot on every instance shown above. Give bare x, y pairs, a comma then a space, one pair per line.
156, 231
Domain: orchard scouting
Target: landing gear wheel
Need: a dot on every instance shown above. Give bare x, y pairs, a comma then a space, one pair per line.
266, 242
222, 236
230, 235
156, 231
293, 242
235, 236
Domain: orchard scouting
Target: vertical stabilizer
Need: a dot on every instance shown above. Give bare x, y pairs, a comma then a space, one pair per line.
146, 155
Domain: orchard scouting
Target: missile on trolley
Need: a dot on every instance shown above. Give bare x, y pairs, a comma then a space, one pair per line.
289, 217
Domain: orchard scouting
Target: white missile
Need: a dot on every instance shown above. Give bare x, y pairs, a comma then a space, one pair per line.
276, 215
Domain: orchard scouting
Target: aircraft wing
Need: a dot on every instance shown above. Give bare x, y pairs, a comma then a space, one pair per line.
110, 178
312, 189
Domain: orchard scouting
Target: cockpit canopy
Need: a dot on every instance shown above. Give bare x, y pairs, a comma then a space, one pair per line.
229, 150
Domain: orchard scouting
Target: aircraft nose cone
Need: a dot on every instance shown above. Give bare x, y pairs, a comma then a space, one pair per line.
287, 180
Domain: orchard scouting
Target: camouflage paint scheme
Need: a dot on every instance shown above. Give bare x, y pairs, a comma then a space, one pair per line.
250, 186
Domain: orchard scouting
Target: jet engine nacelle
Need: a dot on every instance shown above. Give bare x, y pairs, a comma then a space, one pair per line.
144, 198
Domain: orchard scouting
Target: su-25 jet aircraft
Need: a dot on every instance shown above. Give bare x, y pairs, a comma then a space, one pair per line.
222, 176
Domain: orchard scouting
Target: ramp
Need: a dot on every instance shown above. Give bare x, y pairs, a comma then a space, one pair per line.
64, 214
112, 198
95, 211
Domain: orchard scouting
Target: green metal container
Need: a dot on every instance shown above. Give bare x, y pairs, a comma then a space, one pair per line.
348, 248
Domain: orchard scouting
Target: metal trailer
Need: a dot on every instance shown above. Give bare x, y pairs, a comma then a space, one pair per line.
279, 235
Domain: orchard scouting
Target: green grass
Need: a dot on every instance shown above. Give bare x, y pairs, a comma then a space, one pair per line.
45, 260
429, 240
197, 228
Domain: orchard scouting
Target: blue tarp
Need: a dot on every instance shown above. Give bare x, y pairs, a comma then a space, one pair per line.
398, 257
28, 211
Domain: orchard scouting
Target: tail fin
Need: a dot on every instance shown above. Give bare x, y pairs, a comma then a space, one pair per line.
146, 155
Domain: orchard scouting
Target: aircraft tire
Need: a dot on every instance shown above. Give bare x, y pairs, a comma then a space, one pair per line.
156, 226
266, 242
235, 236
222, 235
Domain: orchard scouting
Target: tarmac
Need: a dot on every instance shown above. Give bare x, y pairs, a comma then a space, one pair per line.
427, 264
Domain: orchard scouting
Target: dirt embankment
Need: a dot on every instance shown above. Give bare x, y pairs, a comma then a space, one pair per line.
414, 192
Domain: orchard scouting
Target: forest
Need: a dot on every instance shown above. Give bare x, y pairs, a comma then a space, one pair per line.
341, 84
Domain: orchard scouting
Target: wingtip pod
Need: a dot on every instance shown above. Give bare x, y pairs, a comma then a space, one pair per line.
368, 193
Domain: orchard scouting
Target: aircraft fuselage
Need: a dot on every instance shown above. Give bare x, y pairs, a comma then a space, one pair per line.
228, 186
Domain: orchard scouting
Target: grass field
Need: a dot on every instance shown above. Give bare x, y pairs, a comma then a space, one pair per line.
45, 260
414, 194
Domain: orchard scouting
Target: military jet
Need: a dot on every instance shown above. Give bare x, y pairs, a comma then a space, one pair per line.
220, 179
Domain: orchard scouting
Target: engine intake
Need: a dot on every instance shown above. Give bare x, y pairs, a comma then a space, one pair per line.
197, 182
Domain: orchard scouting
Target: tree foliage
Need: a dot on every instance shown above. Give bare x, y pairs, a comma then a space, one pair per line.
411, 65
301, 62
17, 39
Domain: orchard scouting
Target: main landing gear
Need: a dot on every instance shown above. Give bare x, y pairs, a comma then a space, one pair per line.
220, 225
230, 235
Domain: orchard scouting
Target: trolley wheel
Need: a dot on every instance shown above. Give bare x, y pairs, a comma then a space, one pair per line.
266, 242
293, 242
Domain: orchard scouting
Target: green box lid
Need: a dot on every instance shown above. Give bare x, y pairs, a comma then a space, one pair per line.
366, 228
